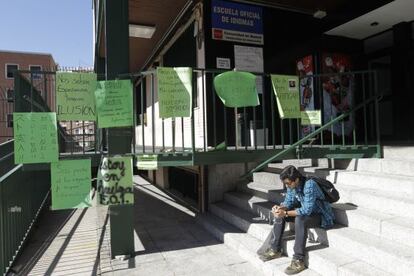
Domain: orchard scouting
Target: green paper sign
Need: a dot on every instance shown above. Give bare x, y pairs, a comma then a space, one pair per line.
237, 89
311, 117
71, 184
114, 103
115, 181
175, 91
286, 89
35, 138
75, 96
147, 162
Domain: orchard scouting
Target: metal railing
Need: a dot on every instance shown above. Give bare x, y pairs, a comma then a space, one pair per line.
213, 125
296, 146
24, 190
22, 195
38, 95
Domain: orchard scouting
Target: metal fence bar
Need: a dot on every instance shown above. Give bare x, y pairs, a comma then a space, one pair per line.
182, 133
153, 112
365, 111
143, 115
264, 115
282, 133
225, 126
203, 98
236, 128
377, 122
246, 132
254, 127
213, 97
272, 109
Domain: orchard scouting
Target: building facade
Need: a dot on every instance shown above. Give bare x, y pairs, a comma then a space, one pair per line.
11, 61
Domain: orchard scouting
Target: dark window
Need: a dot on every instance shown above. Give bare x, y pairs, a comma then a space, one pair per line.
9, 120
10, 95
36, 68
10, 68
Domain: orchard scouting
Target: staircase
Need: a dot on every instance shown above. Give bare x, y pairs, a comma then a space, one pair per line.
374, 234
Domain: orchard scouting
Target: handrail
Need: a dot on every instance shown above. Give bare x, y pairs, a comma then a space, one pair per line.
311, 135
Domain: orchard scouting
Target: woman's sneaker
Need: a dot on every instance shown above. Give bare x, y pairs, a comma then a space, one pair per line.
270, 254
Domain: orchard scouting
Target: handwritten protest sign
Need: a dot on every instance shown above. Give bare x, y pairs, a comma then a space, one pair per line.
114, 103
75, 96
311, 117
175, 89
71, 184
147, 162
286, 89
115, 181
237, 89
35, 138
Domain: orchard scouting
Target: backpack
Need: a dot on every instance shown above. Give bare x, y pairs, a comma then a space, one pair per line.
331, 194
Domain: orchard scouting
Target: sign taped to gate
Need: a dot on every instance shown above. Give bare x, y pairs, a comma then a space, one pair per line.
114, 103
237, 89
35, 138
115, 181
71, 184
286, 89
75, 96
174, 91
311, 117
147, 162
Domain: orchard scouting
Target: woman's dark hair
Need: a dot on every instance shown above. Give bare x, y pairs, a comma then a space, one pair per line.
291, 173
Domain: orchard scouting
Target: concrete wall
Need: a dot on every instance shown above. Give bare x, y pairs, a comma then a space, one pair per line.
225, 177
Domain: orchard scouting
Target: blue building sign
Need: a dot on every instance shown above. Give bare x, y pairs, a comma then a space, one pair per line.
236, 22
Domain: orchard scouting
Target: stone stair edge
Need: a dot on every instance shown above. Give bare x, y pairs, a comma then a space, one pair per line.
325, 254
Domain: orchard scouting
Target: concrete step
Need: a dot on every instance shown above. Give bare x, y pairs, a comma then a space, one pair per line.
258, 227
375, 180
376, 200
391, 166
391, 227
401, 255
320, 171
268, 178
246, 246
321, 261
389, 256
387, 226
398, 152
264, 191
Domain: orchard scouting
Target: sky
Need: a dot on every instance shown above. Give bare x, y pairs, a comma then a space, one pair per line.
63, 28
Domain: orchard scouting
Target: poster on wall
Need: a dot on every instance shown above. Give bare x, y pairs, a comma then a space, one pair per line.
338, 90
306, 89
250, 59
236, 22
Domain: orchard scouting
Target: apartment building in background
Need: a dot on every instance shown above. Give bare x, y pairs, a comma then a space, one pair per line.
11, 61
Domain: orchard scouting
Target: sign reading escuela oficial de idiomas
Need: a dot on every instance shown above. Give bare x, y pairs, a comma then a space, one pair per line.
236, 22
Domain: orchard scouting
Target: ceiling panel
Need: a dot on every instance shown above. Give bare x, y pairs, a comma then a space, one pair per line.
386, 16
154, 12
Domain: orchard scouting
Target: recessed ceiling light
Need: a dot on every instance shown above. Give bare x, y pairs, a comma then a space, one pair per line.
373, 24
319, 14
142, 31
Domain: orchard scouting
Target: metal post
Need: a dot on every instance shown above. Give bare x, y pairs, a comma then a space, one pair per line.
117, 62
